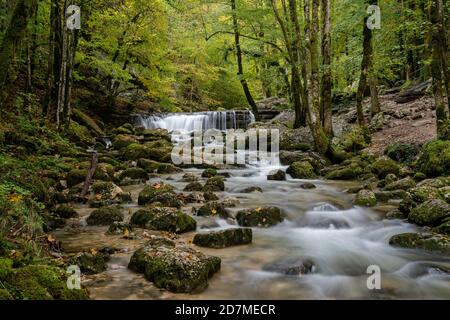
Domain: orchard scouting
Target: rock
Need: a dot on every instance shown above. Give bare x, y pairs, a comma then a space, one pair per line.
401, 152
291, 267
210, 196
163, 219
189, 177
214, 184
434, 159
260, 217
108, 191
168, 199
385, 196
123, 140
230, 202
301, 170
444, 227
403, 184
209, 173
341, 174
134, 174
193, 186
224, 238
395, 214
157, 150
178, 269
290, 140
384, 166
390, 178
430, 213
79, 134
66, 211
127, 128
353, 139
423, 193
42, 282
419, 176
104, 216
212, 209
150, 192
425, 241
435, 183
91, 263
278, 175
119, 228
308, 186
77, 176
365, 198
251, 190
167, 168
378, 122
156, 135
445, 193
152, 166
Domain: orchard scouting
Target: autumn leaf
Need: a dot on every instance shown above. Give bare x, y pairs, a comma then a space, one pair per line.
258, 210
126, 233
213, 212
14, 198
50, 238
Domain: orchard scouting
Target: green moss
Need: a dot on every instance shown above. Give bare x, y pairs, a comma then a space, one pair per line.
150, 192
104, 216
365, 198
301, 170
401, 152
156, 150
79, 134
163, 219
214, 184
434, 159
260, 217
134, 174
384, 166
5, 295
87, 121
212, 209
224, 238
209, 173
354, 139
425, 241
77, 176
430, 213
5, 268
123, 140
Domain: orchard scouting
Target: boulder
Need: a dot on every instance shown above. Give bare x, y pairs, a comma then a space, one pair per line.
108, 191
423, 193
365, 198
278, 175
224, 238
105, 216
430, 213
193, 186
178, 269
301, 170
445, 193
77, 176
385, 196
384, 166
91, 263
444, 227
163, 219
127, 128
150, 192
189, 177
157, 150
395, 214
214, 184
66, 211
401, 152
425, 241
260, 217
210, 196
123, 140
156, 135
252, 189
209, 173
119, 228
134, 174
308, 186
212, 209
403, 184
434, 159
291, 267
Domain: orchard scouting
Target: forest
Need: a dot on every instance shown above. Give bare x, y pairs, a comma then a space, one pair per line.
95, 95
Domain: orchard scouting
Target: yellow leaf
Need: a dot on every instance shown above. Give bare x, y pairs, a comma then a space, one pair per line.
258, 210
126, 233
213, 212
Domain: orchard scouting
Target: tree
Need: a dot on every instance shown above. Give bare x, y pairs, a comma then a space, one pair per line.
326, 111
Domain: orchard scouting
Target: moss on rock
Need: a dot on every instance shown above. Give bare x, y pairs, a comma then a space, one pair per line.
150, 192
430, 213
301, 170
434, 159
224, 238
105, 216
260, 217
424, 241
212, 209
214, 184
384, 166
365, 198
164, 219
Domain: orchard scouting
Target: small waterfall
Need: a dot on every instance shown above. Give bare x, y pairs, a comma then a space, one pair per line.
188, 122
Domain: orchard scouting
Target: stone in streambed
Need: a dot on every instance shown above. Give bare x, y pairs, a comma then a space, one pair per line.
224, 238
278, 175
291, 267
301, 170
104, 216
260, 217
150, 192
251, 190
209, 173
119, 228
65, 211
430, 213
210, 196
365, 198
425, 241
193, 186
212, 209
134, 174
178, 269
308, 186
214, 184
403, 184
163, 219
91, 263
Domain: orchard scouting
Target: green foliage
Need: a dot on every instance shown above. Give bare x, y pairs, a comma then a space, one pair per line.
434, 159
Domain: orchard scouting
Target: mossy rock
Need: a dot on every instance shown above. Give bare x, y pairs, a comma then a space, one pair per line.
168, 168
150, 166
79, 134
65, 211
193, 186
260, 217
164, 219
403, 184
77, 176
209, 173
5, 268
395, 214
425, 241
91, 263
301, 170
445, 193
150, 192
430, 213
385, 196
108, 190
224, 238
384, 166
123, 140
156, 135
156, 150
105, 216
168, 268
212, 209
353, 139
5, 295
168, 199
365, 198
401, 152
423, 193
214, 184
189, 177
278, 175
119, 228
434, 158
134, 174
341, 174
40, 282
210, 196
252, 189
127, 128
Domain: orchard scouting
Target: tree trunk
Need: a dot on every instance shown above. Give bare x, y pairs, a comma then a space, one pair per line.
244, 83
326, 110
21, 14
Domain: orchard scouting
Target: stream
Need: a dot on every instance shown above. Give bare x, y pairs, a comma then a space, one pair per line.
322, 226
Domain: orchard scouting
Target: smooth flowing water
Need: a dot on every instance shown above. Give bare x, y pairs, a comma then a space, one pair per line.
322, 226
